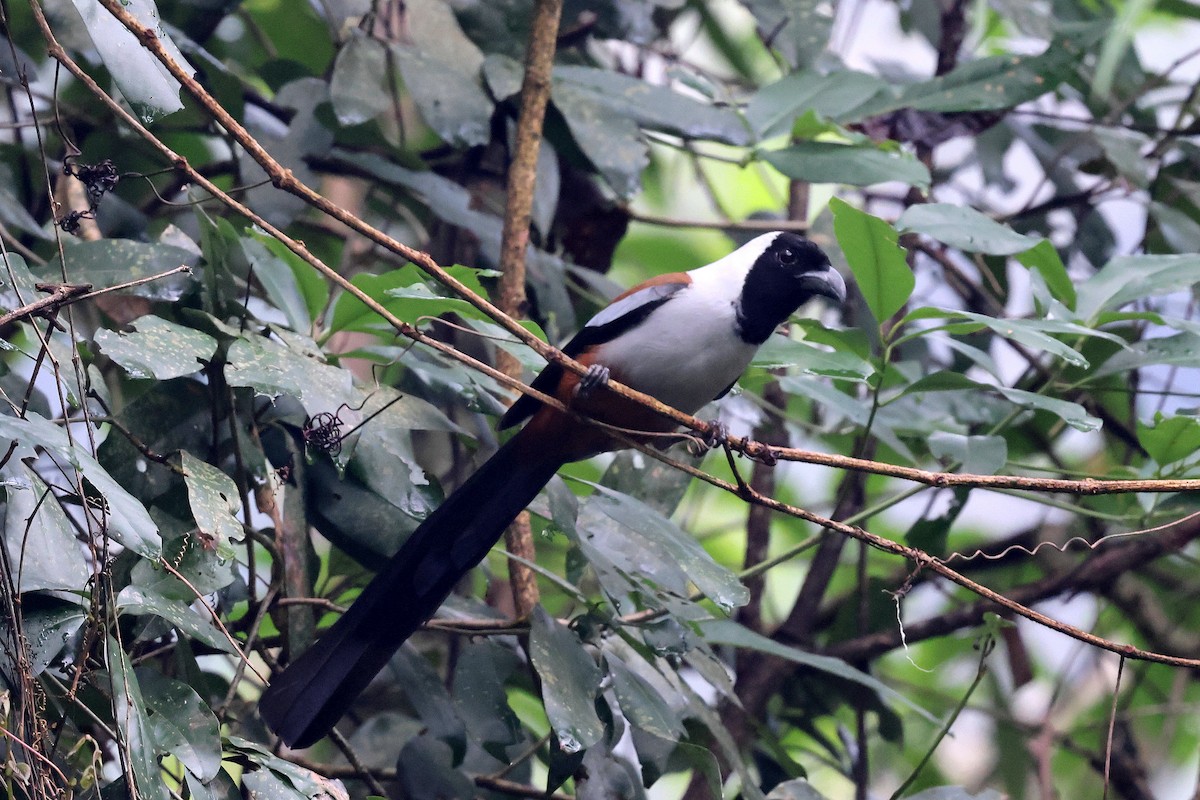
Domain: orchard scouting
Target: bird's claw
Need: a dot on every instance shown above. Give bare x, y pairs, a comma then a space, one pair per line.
716, 435
596, 376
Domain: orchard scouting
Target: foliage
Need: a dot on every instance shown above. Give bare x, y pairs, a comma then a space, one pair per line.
207, 451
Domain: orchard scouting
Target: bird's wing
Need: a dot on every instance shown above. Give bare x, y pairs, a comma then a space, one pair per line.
624, 313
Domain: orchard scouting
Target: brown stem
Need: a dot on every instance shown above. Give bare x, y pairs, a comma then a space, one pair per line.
518, 212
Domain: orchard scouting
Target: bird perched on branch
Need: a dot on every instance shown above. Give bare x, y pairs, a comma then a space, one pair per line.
683, 338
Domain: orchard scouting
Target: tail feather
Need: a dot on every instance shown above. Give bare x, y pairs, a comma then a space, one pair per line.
305, 701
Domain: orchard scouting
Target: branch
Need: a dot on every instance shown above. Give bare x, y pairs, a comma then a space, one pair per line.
61, 294
514, 243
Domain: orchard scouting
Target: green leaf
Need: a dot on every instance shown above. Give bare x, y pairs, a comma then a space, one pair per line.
978, 455
728, 632
358, 87
127, 519
157, 348
110, 262
14, 215
1044, 259
213, 497
273, 369
479, 674
1032, 333
782, 352
964, 228
38, 536
1128, 278
1170, 439
650, 546
835, 96
292, 284
799, 29
143, 80
648, 105
797, 789
181, 723
288, 778
570, 682
955, 793
440, 67
854, 165
642, 703
1071, 413
612, 142
133, 724
142, 600
1181, 350
878, 263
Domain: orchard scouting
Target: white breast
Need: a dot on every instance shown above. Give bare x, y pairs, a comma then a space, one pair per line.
688, 350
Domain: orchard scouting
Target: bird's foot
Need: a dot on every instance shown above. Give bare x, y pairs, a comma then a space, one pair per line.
596, 377
717, 433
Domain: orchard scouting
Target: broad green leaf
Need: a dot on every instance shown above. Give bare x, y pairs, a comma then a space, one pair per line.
978, 455
773, 108
997, 82
955, 793
611, 141
1032, 333
426, 691
292, 284
405, 292
1181, 350
799, 29
157, 348
144, 81
964, 228
273, 369
133, 724
1170, 439
110, 262
854, 165
359, 87
728, 632
182, 724
440, 67
1128, 278
1071, 413
843, 406
427, 771
479, 674
213, 497
291, 777
13, 214
648, 105
142, 600
126, 518
570, 682
39, 538
642, 703
656, 548
779, 351
1044, 259
50, 628
797, 789
878, 263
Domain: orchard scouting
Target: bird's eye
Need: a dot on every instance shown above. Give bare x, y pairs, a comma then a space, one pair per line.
787, 256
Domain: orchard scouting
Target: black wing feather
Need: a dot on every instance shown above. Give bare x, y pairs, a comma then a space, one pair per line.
614, 320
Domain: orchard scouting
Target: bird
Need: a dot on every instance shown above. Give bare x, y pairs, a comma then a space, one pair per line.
684, 338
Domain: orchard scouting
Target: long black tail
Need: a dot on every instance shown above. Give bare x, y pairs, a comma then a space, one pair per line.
307, 698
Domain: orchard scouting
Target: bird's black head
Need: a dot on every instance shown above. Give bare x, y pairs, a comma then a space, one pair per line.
788, 273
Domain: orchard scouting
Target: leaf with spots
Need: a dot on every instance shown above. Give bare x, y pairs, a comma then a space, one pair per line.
271, 368
157, 348
133, 724
570, 681
126, 518
181, 723
110, 262
213, 497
